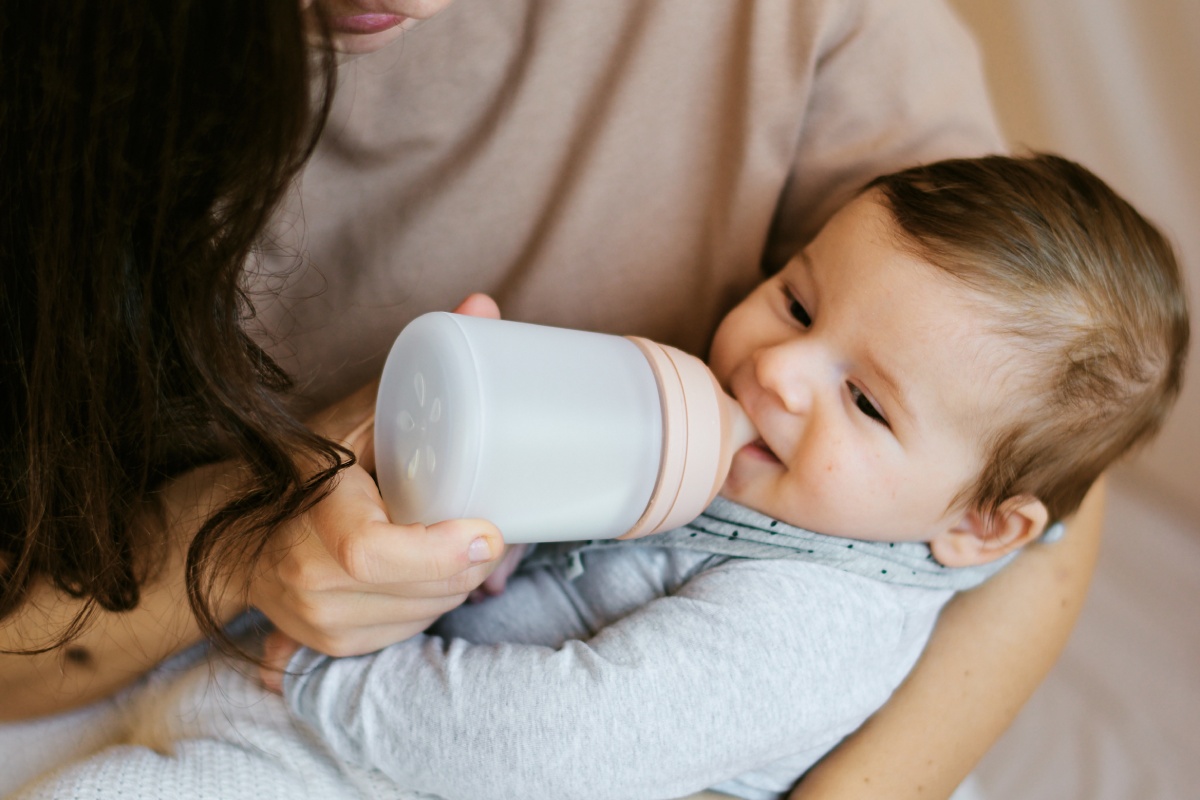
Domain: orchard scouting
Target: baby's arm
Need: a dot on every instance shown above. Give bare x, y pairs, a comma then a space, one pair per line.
683, 693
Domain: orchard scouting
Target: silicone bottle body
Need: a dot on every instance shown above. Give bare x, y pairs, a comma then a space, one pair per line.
550, 433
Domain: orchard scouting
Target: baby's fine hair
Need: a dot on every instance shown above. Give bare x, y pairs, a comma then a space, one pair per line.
1085, 285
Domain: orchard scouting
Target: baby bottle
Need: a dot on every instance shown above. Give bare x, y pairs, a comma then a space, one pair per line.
552, 434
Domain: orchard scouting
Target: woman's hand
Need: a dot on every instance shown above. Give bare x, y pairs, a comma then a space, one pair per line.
344, 580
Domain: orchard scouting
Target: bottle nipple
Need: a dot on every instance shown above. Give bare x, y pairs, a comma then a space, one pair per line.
737, 431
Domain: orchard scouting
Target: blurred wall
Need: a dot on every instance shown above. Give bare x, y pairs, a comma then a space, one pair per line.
1115, 85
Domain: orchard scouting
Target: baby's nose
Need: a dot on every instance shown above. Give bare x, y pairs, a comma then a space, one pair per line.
787, 370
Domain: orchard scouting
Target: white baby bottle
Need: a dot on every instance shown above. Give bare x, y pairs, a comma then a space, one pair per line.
552, 434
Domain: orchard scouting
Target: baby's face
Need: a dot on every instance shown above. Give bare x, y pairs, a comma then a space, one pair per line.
872, 379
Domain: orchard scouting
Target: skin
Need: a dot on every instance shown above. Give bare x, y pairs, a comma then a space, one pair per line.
116, 648
344, 560
874, 381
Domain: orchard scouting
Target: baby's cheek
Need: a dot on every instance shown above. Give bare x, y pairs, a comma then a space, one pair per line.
847, 477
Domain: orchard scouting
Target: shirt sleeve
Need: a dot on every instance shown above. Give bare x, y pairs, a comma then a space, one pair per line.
750, 663
895, 84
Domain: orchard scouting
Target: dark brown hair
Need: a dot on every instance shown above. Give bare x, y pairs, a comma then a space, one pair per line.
144, 145
1089, 288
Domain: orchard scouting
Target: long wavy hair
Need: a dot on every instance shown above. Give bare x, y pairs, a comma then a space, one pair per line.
143, 146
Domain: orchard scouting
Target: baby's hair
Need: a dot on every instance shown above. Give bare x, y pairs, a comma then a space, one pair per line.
1085, 285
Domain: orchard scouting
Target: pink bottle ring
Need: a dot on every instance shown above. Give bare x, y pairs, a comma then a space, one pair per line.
693, 463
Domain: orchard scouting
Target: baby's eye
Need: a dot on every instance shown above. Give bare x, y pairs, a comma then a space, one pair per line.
866, 406
799, 313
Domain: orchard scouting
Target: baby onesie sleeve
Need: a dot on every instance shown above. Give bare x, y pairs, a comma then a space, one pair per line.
748, 664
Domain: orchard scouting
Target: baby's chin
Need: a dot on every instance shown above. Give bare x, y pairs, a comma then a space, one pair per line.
754, 482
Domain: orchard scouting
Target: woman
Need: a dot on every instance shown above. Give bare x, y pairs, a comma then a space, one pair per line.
621, 166
134, 201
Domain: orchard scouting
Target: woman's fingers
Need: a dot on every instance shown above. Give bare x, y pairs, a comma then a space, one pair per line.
479, 305
352, 620
362, 637
343, 580
353, 527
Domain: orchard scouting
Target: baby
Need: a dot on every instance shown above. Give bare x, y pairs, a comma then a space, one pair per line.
937, 378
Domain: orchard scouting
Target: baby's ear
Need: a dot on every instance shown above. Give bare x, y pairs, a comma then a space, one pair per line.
978, 539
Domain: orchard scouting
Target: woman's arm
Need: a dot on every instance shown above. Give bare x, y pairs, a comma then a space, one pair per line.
990, 650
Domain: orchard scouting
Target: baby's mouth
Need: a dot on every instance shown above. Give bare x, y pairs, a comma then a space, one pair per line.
761, 446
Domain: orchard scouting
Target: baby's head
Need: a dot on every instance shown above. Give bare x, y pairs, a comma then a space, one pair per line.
956, 357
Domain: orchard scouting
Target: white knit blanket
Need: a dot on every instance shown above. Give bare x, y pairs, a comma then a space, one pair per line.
194, 728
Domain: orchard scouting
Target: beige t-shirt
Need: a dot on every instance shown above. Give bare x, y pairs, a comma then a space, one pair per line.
627, 166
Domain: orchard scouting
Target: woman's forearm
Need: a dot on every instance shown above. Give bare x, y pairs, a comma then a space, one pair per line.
989, 652
115, 648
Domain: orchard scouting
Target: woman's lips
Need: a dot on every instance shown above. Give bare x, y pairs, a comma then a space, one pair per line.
366, 23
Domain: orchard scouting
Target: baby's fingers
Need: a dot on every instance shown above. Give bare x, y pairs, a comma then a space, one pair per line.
278, 650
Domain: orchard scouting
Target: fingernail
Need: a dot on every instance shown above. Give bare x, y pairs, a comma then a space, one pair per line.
479, 550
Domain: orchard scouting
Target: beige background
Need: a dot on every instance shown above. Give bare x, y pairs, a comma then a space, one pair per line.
1115, 84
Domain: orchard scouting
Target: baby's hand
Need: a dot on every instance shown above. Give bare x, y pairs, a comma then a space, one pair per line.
278, 650
494, 584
